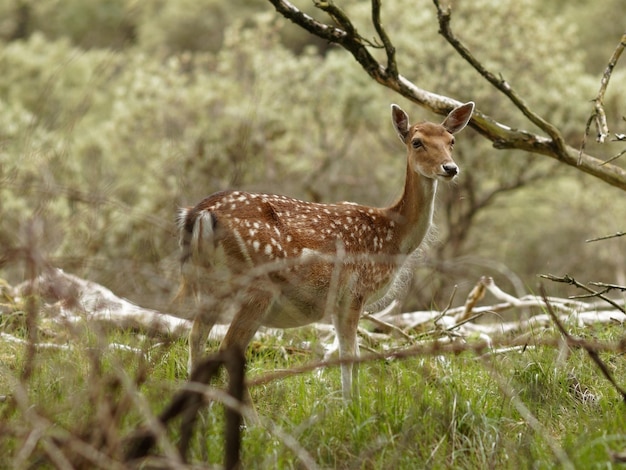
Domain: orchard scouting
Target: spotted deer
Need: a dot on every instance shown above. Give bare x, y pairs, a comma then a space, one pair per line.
264, 259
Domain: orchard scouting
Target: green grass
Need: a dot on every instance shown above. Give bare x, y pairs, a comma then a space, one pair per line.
448, 411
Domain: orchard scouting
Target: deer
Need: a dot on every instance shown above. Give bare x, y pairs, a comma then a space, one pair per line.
270, 260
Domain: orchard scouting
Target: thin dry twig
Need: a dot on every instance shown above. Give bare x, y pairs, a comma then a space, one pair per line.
575, 342
188, 402
500, 134
445, 15
598, 115
533, 422
431, 348
567, 279
613, 158
390, 50
608, 286
606, 237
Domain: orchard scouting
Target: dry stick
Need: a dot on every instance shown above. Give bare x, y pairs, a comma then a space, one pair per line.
475, 296
444, 312
571, 341
615, 157
527, 415
444, 17
609, 286
236, 368
188, 402
567, 279
388, 326
500, 134
598, 115
433, 348
606, 237
392, 66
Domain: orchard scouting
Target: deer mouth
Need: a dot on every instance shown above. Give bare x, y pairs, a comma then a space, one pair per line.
446, 176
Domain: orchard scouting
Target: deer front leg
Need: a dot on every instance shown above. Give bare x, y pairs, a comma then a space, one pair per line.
346, 322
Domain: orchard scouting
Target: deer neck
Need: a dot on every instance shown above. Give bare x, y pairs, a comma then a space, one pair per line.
413, 211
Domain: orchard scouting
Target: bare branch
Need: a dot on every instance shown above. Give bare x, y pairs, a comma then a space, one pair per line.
346, 37
502, 136
615, 157
444, 15
599, 116
609, 286
338, 15
606, 237
593, 353
567, 279
392, 66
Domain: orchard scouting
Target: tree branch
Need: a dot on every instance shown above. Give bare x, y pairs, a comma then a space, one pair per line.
444, 15
392, 66
567, 279
502, 136
593, 353
598, 115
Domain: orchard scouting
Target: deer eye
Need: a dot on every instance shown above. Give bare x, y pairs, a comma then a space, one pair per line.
417, 143
452, 143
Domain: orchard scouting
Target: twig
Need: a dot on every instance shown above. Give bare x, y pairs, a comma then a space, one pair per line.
187, 402
606, 237
444, 15
65, 347
598, 115
430, 348
386, 326
571, 341
475, 296
609, 286
567, 279
392, 66
615, 157
445, 310
338, 16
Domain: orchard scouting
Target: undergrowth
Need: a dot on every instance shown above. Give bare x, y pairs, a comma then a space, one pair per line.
522, 409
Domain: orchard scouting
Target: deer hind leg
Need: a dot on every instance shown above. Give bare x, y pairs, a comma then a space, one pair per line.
247, 320
241, 331
198, 335
346, 322
197, 340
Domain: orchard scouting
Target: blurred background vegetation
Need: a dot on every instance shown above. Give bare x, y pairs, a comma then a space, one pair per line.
113, 113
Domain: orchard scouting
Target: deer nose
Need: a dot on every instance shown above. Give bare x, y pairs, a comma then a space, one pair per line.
450, 169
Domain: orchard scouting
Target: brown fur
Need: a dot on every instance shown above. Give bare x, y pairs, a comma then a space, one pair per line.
276, 261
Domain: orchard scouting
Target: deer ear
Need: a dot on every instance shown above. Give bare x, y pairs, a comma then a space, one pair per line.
400, 121
458, 118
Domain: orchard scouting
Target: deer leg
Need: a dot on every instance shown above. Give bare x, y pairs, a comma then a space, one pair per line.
208, 313
243, 328
247, 321
346, 322
198, 336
